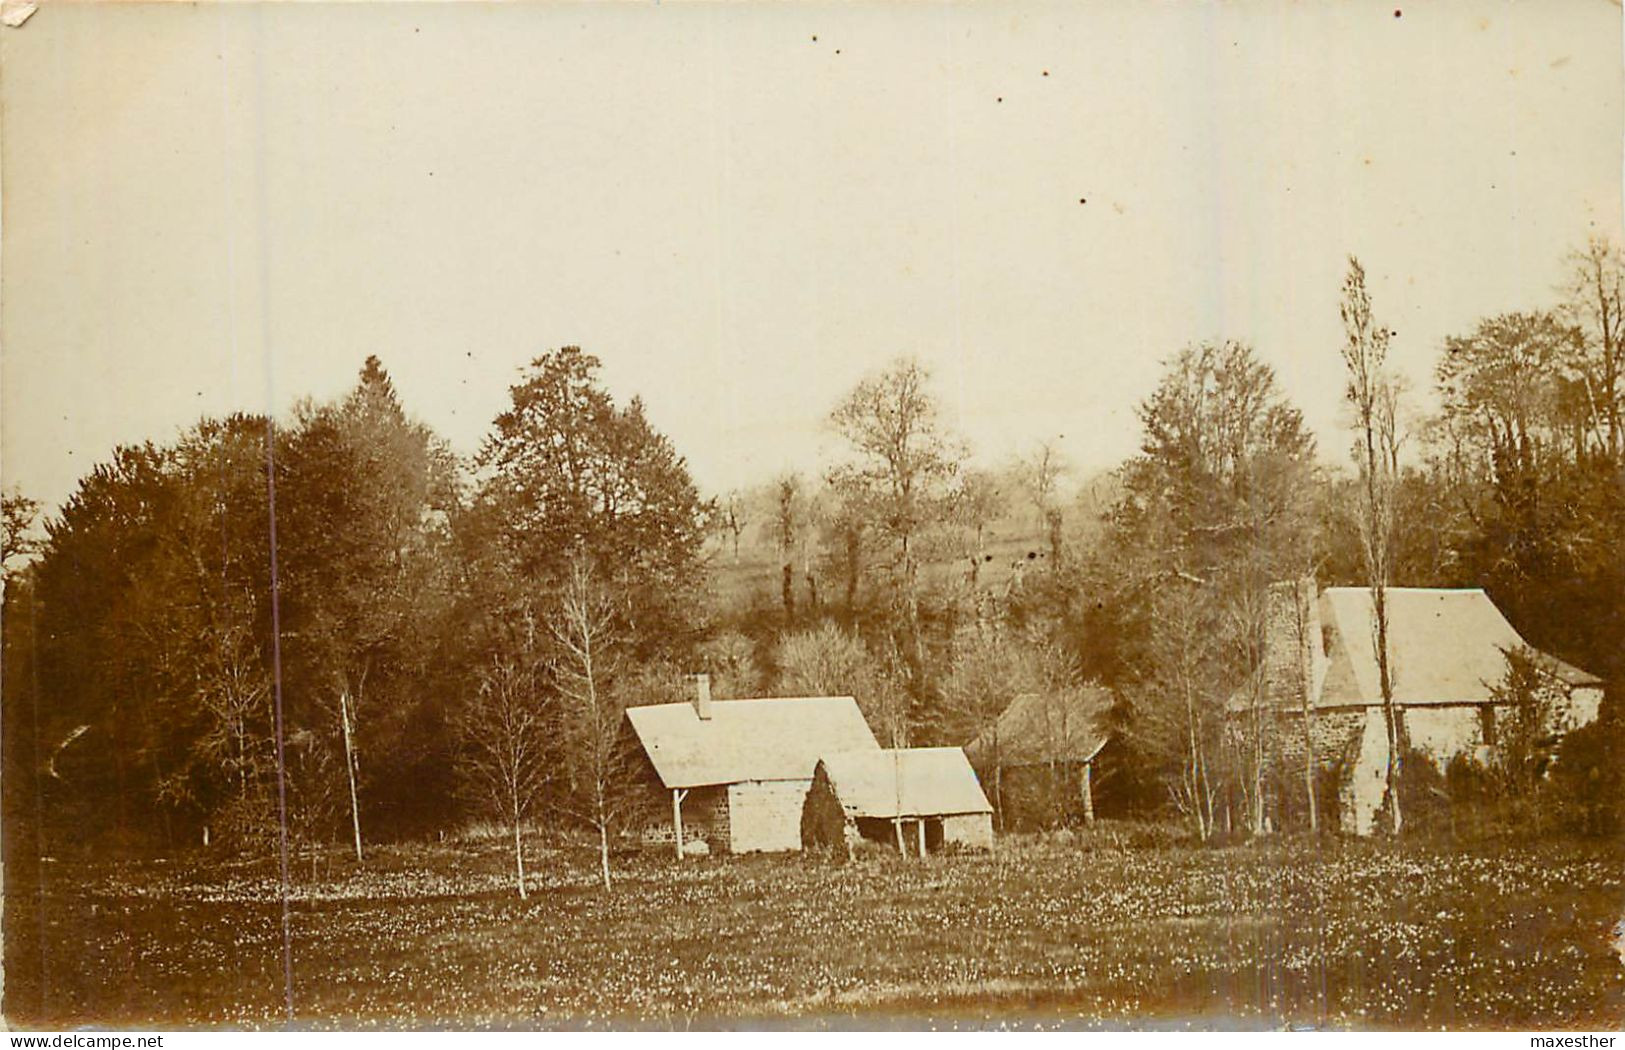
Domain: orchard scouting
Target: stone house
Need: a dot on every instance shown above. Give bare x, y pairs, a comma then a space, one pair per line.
734, 773
920, 798
1447, 652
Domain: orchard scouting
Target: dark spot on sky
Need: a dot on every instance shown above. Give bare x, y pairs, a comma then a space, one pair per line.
1046, 72
1083, 200
999, 99
1397, 12
815, 38
837, 51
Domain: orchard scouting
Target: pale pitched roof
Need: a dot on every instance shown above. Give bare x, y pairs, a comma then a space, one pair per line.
908, 782
1445, 646
777, 738
1066, 727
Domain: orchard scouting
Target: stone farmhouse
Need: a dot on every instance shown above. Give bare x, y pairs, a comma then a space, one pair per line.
920, 798
1447, 651
733, 774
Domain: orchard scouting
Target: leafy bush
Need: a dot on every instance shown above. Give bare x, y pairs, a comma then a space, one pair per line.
1425, 801
1585, 787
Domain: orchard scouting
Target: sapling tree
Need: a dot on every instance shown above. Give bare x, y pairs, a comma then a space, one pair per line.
595, 754
504, 737
1374, 396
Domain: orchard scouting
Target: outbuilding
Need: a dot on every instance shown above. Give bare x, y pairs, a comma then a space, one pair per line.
1447, 653
1042, 756
920, 799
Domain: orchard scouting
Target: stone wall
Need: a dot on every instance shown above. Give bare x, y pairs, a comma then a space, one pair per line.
968, 830
1340, 739
705, 817
765, 815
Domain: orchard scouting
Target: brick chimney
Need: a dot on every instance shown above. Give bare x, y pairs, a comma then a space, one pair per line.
702, 696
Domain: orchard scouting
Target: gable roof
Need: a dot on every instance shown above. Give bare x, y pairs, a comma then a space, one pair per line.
906, 782
1444, 646
1069, 726
776, 738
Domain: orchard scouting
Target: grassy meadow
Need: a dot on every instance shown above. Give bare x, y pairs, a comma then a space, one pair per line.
1084, 933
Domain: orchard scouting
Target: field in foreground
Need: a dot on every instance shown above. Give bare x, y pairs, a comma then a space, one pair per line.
1327, 934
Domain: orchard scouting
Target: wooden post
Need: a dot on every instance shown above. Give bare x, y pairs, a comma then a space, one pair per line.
921, 825
1088, 793
897, 826
677, 819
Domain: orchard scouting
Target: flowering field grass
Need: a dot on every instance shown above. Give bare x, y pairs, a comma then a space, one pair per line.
1338, 935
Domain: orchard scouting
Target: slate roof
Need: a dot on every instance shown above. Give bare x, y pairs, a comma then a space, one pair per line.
776, 738
1067, 727
907, 782
1445, 647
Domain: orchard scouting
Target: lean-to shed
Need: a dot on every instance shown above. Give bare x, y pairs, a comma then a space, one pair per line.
920, 798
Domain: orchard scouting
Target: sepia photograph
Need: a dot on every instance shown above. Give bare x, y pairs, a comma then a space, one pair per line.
868, 516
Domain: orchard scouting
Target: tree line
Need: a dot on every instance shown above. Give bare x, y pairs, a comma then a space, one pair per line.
444, 641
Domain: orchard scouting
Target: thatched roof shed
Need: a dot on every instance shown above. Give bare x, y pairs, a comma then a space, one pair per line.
1036, 729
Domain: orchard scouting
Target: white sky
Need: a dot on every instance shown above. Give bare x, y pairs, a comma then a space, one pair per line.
219, 207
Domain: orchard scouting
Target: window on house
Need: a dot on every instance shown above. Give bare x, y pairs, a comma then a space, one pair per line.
1486, 724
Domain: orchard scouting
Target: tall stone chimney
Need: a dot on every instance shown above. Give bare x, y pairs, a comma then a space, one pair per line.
702, 696
1293, 656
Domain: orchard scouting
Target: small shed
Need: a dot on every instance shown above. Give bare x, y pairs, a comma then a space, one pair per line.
921, 798
1041, 754
734, 773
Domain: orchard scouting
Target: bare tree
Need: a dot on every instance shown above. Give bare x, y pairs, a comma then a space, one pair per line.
733, 516
977, 503
1302, 595
1178, 707
828, 661
314, 803
1596, 303
982, 681
594, 751
1040, 474
17, 514
1374, 395
504, 736
730, 659
903, 462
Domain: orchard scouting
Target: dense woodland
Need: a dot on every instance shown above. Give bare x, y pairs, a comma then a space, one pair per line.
421, 643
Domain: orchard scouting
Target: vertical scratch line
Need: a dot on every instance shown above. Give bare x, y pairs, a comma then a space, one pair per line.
270, 457
276, 681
